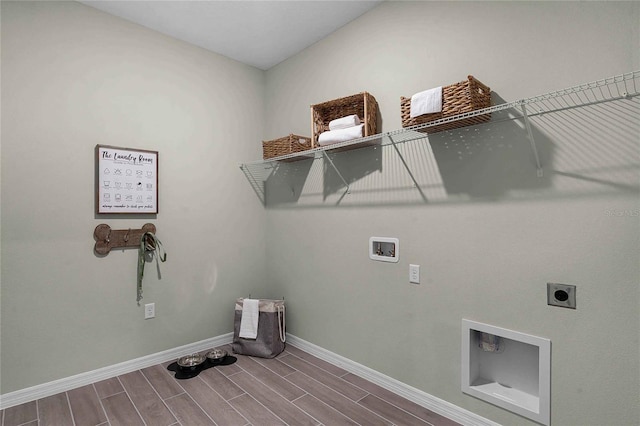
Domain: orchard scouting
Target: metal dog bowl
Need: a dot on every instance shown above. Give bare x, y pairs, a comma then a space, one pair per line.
216, 355
190, 362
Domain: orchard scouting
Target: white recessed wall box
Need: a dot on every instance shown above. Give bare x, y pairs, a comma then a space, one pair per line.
506, 368
384, 249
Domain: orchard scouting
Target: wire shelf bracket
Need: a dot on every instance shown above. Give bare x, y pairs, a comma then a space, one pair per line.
326, 156
532, 140
406, 166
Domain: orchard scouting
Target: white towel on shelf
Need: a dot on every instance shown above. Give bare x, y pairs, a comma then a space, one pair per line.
249, 320
426, 102
344, 122
340, 135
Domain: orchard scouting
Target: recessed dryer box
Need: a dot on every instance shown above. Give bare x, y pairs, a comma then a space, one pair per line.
507, 368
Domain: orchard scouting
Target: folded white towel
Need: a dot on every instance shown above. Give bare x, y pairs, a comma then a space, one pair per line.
249, 320
340, 135
426, 102
344, 122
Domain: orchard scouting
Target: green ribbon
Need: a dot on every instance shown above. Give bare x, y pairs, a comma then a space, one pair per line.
149, 243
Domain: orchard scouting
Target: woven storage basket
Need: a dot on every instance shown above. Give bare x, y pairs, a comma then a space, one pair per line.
285, 145
458, 98
363, 105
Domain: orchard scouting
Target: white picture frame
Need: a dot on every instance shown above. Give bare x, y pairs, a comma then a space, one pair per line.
126, 180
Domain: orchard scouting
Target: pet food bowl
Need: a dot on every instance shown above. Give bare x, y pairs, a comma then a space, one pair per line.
216, 355
191, 362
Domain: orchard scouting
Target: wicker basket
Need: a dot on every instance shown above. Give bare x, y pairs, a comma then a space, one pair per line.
458, 98
285, 145
363, 105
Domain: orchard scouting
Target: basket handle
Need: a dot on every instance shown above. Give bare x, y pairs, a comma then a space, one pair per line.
281, 324
478, 86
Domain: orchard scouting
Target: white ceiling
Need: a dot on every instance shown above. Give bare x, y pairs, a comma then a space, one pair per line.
259, 33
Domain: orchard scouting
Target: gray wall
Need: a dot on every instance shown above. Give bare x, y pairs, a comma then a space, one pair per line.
488, 237
488, 233
74, 77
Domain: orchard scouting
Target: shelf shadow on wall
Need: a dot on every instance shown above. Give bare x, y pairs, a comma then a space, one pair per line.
599, 147
286, 181
351, 166
492, 160
583, 151
479, 162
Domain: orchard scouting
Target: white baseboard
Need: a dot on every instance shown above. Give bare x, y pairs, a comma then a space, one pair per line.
421, 398
62, 385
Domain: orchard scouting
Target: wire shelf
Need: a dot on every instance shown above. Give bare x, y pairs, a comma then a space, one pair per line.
623, 86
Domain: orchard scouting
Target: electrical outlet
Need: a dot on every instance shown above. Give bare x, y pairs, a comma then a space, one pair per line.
563, 295
414, 274
149, 310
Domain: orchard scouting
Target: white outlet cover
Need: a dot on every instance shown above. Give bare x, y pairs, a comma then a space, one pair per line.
149, 310
414, 274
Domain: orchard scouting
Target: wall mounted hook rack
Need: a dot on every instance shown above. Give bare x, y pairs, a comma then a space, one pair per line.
107, 238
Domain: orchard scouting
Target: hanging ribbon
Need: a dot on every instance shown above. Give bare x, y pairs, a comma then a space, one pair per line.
149, 243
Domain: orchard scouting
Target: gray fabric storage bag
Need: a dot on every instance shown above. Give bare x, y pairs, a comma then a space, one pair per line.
271, 330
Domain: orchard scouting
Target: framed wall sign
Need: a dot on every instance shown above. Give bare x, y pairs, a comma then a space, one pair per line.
126, 180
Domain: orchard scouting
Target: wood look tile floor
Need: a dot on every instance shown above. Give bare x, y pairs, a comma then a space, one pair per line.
295, 388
